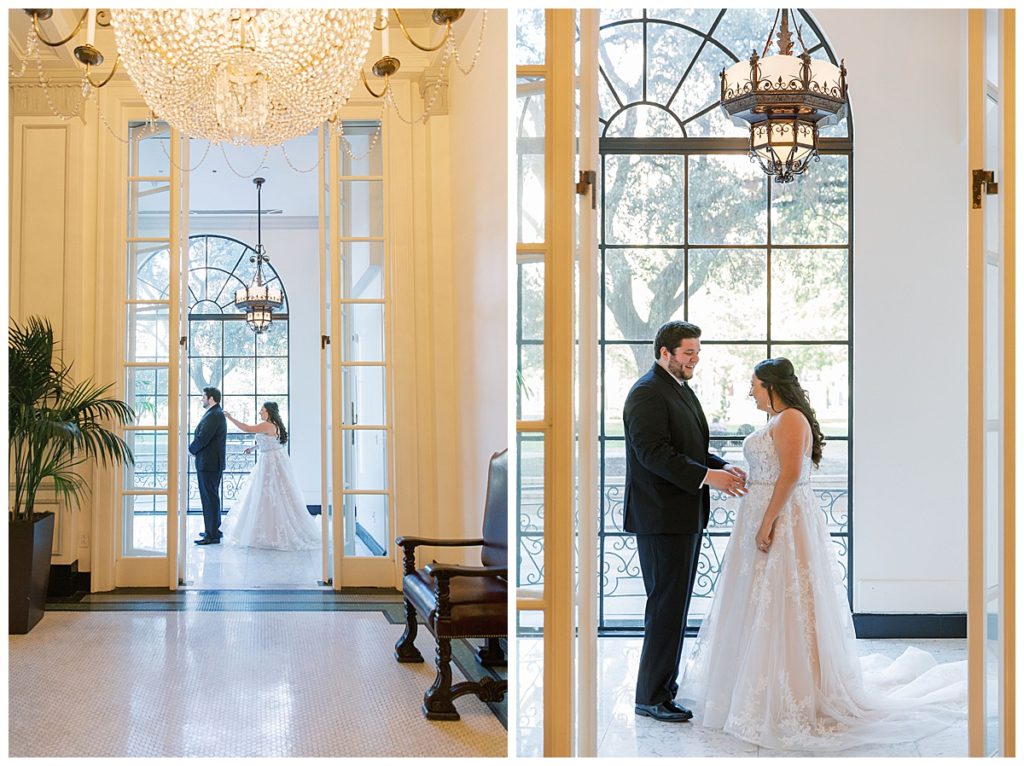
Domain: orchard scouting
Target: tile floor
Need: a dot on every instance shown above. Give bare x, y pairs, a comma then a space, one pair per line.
621, 733
229, 683
228, 566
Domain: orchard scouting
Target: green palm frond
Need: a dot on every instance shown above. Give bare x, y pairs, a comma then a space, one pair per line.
55, 424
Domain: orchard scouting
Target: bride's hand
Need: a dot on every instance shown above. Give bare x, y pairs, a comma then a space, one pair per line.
764, 536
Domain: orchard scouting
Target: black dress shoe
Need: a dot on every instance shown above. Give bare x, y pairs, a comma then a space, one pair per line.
208, 541
673, 705
662, 712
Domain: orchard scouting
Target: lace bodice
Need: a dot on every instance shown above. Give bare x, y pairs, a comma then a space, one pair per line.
762, 458
268, 443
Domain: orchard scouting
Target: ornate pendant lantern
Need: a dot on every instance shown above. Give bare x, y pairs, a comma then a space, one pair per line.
783, 100
258, 300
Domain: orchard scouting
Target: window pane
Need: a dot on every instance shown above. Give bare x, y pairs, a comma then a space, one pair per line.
702, 89
145, 525
530, 159
362, 328
623, 365
363, 391
149, 209
530, 36
206, 337
530, 317
362, 208
150, 469
643, 289
722, 383
362, 152
727, 201
365, 459
729, 293
366, 525
670, 49
362, 269
810, 294
644, 121
824, 373
203, 373
272, 377
147, 333
153, 149
239, 376
643, 199
274, 340
149, 271
814, 209
530, 384
147, 394
239, 339
530, 507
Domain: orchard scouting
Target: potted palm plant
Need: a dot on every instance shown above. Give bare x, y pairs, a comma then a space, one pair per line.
55, 426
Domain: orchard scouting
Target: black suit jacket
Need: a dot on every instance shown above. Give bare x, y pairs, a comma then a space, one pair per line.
666, 458
210, 442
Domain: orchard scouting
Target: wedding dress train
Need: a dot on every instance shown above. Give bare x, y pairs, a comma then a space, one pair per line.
270, 511
776, 661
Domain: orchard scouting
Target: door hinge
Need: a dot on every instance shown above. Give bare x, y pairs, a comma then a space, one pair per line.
981, 178
588, 179
325, 341
183, 341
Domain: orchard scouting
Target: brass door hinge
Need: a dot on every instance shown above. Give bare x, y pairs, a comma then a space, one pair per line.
981, 178
325, 341
588, 179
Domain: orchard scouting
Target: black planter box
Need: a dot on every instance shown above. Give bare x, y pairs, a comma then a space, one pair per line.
30, 548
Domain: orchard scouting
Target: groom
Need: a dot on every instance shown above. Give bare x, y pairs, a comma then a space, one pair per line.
667, 505
209, 446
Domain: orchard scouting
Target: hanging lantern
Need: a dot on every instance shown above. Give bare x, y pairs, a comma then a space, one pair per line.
783, 100
258, 300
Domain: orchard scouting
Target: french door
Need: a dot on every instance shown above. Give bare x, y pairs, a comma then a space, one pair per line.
357, 434
990, 184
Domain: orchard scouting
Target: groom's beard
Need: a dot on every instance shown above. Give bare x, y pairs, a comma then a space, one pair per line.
680, 370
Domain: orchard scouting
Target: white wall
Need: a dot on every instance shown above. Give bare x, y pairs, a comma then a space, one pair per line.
906, 71
479, 178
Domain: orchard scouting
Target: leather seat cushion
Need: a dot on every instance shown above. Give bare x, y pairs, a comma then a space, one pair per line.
479, 605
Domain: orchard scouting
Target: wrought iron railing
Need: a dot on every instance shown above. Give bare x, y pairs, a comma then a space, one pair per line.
621, 597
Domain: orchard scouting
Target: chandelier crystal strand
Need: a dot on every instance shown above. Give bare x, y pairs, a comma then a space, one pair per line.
479, 47
319, 158
340, 134
259, 166
31, 51
244, 76
195, 167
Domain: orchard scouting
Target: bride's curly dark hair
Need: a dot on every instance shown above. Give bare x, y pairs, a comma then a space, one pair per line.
783, 386
274, 416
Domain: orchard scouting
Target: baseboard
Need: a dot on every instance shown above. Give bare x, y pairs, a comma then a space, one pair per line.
66, 581
910, 625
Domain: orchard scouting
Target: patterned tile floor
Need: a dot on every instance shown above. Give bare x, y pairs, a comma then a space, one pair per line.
236, 673
622, 734
228, 566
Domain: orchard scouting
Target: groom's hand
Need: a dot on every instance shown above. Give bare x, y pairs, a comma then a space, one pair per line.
727, 482
735, 470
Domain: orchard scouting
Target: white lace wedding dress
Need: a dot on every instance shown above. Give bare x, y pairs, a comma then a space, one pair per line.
270, 511
776, 661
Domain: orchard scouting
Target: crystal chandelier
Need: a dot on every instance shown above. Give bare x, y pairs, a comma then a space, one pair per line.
245, 76
783, 100
258, 301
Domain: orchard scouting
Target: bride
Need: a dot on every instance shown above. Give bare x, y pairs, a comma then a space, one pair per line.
269, 511
776, 661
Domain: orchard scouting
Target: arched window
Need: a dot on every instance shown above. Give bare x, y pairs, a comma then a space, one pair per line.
692, 229
222, 351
